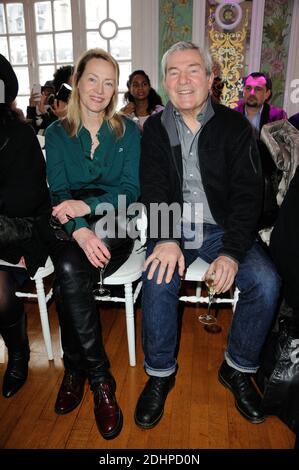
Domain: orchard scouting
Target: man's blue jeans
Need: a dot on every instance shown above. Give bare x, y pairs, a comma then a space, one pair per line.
259, 286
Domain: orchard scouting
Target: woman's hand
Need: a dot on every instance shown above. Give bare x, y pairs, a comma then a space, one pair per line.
96, 251
70, 208
128, 109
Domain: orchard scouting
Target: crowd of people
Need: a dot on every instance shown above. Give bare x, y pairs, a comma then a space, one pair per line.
192, 151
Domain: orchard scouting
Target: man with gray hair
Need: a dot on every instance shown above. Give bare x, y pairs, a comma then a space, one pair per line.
199, 152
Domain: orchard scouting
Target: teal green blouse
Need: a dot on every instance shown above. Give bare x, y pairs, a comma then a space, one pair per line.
114, 167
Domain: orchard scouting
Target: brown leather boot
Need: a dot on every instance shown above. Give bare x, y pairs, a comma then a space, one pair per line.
107, 413
70, 393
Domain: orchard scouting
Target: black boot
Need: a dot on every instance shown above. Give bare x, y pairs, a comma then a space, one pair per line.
78, 316
16, 340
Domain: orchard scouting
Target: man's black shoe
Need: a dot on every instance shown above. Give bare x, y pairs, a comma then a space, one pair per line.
150, 406
248, 401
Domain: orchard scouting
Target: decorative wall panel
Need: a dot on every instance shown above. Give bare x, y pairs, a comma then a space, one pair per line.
275, 45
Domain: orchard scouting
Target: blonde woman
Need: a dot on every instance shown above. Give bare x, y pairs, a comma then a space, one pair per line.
92, 158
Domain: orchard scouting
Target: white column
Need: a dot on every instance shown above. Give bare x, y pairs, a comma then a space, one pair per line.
145, 38
256, 35
198, 23
293, 65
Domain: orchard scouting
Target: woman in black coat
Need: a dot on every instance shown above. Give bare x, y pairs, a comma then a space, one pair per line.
23, 193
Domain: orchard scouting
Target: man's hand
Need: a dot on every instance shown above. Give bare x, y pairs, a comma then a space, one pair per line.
225, 270
165, 256
70, 208
96, 251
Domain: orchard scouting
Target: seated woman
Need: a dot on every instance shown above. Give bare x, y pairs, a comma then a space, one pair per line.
23, 194
92, 157
142, 100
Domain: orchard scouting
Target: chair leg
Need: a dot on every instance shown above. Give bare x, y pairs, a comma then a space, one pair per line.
60, 343
43, 311
198, 289
130, 323
235, 298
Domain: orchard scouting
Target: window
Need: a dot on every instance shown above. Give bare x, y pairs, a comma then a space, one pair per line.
108, 25
53, 32
13, 43
40, 36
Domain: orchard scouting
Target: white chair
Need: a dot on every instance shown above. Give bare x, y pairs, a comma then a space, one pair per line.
129, 272
42, 298
195, 272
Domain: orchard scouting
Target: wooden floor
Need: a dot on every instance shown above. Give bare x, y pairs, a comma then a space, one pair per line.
199, 412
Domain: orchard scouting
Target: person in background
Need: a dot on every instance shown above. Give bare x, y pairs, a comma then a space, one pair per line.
255, 107
183, 163
23, 194
92, 158
142, 100
40, 112
257, 92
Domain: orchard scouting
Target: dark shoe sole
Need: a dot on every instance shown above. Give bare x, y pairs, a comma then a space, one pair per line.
12, 391
246, 416
153, 423
115, 432
148, 425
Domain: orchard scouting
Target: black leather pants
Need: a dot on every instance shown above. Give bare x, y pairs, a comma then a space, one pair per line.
81, 333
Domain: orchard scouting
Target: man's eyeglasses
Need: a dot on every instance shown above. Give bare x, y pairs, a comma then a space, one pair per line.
59, 231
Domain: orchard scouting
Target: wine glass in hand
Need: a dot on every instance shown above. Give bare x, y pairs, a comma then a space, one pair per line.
100, 290
208, 319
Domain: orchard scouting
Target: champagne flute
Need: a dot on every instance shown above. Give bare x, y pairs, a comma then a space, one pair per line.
100, 290
208, 319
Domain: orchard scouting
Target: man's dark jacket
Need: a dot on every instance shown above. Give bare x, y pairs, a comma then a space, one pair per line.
230, 169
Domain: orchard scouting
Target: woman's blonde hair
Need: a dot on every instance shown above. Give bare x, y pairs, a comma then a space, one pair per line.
74, 113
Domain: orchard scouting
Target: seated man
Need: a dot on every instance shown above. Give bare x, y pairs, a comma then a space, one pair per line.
199, 152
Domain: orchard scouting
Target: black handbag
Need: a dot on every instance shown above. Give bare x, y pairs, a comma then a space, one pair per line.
15, 230
278, 375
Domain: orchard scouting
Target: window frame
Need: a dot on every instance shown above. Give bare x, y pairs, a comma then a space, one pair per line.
144, 31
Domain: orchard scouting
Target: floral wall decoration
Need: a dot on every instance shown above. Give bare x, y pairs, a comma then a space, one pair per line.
275, 44
175, 24
228, 45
